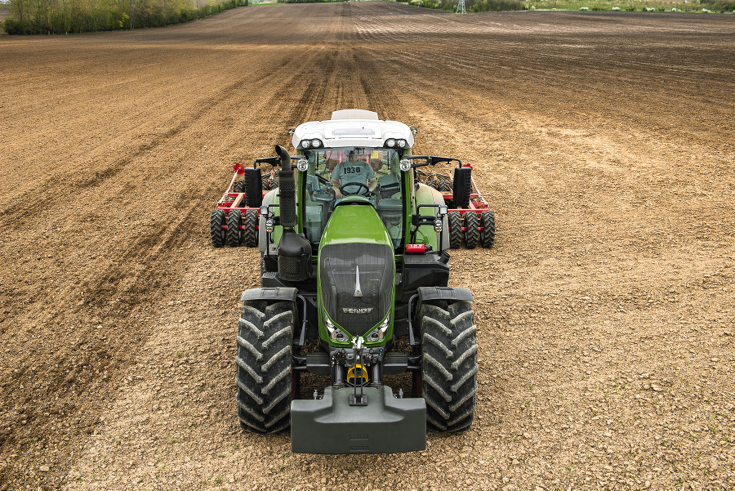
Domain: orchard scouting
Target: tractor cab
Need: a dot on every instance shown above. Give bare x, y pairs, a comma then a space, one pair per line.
337, 176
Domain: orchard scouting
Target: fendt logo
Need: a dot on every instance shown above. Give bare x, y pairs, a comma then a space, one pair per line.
356, 311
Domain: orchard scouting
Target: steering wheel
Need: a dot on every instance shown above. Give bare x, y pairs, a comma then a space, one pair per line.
323, 195
358, 185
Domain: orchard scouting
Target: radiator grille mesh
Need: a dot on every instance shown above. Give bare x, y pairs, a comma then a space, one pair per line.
338, 267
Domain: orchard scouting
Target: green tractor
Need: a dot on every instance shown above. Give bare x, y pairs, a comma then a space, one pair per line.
354, 259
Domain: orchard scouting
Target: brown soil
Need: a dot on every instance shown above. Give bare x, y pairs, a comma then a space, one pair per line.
603, 142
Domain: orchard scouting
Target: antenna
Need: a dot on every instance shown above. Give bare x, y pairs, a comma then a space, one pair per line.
460, 7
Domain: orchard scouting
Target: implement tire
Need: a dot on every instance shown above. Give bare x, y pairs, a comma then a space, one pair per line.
250, 234
253, 188
472, 236
455, 229
264, 365
449, 364
216, 234
234, 235
487, 237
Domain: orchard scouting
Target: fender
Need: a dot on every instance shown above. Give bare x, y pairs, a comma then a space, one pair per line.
270, 293
430, 293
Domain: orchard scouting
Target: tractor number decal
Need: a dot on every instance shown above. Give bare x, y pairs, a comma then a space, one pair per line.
352, 170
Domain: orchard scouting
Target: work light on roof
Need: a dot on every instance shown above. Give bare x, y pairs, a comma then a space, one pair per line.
305, 143
390, 142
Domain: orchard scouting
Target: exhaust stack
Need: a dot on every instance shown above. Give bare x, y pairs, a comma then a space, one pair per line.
294, 250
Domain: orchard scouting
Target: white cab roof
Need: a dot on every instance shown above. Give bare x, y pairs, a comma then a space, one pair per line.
352, 128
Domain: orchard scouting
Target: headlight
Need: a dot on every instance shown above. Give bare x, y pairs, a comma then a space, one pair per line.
390, 143
405, 165
305, 143
438, 225
334, 333
302, 165
379, 333
316, 143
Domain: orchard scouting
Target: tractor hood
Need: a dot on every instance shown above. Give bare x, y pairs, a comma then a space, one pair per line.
356, 267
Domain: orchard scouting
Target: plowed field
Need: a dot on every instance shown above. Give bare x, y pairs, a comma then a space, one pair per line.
604, 143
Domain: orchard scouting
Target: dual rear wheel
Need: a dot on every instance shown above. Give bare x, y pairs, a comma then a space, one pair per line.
472, 235
233, 235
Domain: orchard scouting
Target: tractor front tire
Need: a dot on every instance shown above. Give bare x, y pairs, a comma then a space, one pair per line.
449, 364
488, 235
250, 234
472, 236
264, 365
234, 236
455, 229
216, 234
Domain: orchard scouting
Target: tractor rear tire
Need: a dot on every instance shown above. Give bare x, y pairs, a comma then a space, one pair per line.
215, 228
444, 187
264, 365
472, 236
266, 182
455, 229
234, 235
449, 364
488, 235
250, 234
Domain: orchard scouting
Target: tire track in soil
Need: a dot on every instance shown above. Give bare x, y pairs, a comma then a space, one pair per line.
129, 291
118, 297
12, 216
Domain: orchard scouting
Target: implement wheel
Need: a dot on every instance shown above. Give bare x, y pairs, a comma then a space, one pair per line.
264, 375
472, 236
449, 364
250, 234
455, 229
234, 220
215, 228
487, 237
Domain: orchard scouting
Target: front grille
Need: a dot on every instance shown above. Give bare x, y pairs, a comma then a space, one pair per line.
338, 266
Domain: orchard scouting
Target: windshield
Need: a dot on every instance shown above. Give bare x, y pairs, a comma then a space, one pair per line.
346, 171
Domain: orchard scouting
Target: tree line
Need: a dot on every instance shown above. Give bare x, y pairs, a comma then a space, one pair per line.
70, 16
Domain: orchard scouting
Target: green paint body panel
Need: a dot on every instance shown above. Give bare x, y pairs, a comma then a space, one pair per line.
426, 233
331, 426
354, 224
